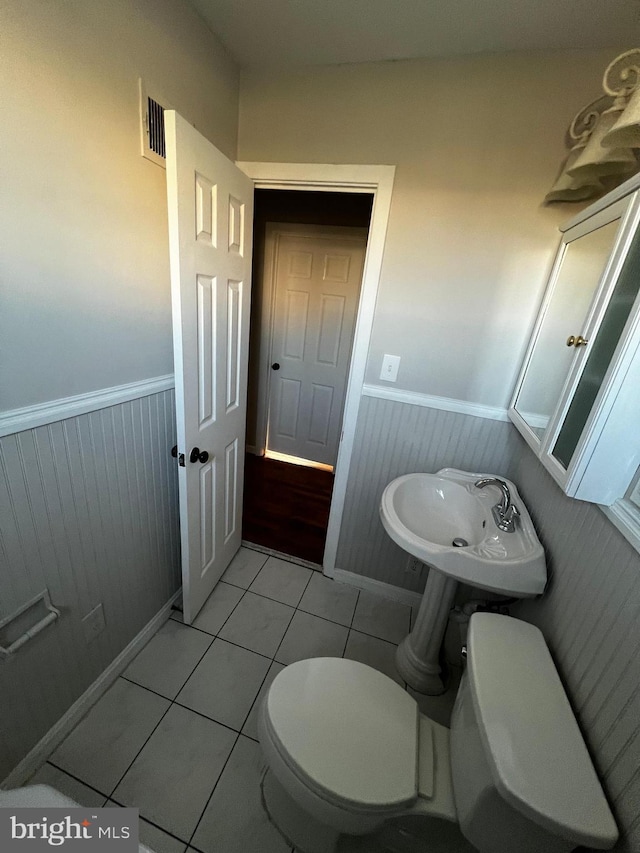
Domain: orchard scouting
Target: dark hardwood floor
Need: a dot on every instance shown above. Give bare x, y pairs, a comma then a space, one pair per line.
286, 507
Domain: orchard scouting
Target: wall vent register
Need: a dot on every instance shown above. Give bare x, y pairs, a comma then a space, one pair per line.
155, 127
152, 133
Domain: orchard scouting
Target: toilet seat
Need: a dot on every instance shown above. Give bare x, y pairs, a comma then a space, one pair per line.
348, 733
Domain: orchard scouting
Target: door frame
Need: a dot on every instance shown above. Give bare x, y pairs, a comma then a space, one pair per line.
273, 232
378, 181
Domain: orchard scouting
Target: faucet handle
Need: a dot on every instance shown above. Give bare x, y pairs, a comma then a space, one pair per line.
512, 513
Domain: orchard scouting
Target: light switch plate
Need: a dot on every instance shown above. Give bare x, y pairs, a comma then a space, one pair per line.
390, 365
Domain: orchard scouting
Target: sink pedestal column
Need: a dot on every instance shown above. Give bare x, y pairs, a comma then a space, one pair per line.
418, 656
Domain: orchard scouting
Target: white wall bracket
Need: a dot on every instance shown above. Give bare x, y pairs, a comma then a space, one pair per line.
17, 621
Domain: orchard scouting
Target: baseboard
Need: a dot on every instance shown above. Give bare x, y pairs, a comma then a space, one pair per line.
281, 556
386, 590
58, 732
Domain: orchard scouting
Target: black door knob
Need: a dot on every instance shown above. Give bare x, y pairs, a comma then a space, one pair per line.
197, 455
275, 366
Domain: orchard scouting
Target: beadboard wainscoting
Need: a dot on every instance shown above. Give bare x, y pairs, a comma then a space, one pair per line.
590, 616
89, 510
394, 438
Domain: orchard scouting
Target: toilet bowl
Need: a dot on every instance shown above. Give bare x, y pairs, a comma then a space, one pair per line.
348, 752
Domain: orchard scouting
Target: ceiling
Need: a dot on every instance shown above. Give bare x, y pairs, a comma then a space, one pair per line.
319, 32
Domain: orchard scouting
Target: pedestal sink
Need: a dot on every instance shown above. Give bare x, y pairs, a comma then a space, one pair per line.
424, 514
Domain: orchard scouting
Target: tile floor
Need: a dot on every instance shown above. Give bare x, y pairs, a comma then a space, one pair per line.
176, 735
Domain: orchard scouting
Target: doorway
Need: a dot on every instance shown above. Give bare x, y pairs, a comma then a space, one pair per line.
288, 496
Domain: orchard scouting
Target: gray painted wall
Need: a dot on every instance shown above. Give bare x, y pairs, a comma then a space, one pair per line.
590, 616
468, 245
397, 438
84, 269
89, 509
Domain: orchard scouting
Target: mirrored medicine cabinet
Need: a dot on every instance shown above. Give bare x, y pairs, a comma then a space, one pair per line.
577, 398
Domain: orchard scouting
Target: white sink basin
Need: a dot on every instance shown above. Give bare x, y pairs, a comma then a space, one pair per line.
424, 513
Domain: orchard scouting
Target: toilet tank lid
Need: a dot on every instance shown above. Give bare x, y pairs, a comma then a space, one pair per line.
538, 759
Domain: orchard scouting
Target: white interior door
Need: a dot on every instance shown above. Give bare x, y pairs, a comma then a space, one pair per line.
317, 277
210, 229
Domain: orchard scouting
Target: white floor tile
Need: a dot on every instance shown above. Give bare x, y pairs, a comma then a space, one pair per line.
103, 745
374, 652
155, 839
173, 776
282, 581
311, 637
234, 820
168, 659
225, 683
244, 567
381, 617
218, 607
67, 785
168, 762
258, 624
250, 728
330, 600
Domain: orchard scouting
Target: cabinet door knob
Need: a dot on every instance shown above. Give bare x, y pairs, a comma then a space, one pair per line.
576, 341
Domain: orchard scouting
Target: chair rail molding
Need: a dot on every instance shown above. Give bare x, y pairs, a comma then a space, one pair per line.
427, 401
625, 516
30, 417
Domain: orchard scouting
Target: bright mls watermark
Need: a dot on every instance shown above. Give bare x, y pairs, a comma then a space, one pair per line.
73, 830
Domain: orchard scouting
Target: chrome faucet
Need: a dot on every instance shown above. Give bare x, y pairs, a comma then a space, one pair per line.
505, 513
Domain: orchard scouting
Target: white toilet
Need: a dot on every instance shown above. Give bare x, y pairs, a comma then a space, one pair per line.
347, 750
